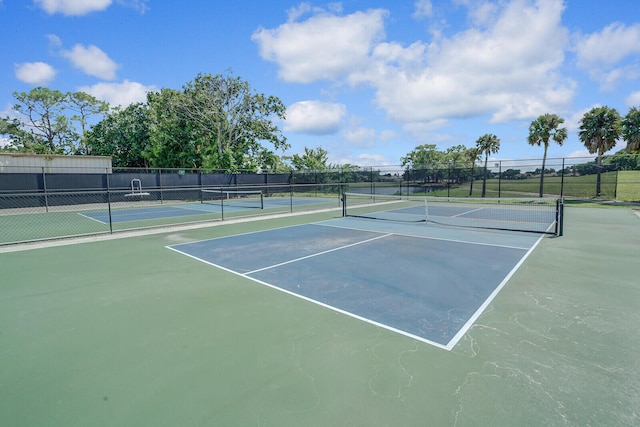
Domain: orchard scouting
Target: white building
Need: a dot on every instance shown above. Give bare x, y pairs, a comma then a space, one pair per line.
50, 163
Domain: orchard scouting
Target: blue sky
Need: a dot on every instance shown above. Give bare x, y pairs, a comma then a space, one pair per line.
368, 81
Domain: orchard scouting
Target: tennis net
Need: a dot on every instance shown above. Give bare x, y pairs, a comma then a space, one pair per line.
539, 215
247, 199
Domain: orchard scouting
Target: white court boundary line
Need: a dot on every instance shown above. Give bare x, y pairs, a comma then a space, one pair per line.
162, 209
319, 253
457, 337
92, 219
450, 344
311, 300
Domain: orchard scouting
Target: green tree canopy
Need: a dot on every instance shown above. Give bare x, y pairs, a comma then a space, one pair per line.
48, 118
47, 130
423, 156
124, 135
174, 141
487, 144
544, 129
84, 106
11, 133
312, 159
426, 163
600, 128
631, 130
229, 121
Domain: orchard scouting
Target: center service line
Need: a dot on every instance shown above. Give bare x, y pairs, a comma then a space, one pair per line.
319, 253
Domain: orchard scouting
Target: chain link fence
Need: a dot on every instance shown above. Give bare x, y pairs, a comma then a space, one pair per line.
51, 203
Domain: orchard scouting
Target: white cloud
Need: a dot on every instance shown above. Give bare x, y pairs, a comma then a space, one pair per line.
483, 13
612, 44
387, 135
139, 5
72, 7
506, 65
601, 53
315, 117
633, 100
572, 123
54, 41
502, 70
38, 73
361, 137
119, 94
325, 46
92, 61
580, 155
83, 7
423, 9
362, 160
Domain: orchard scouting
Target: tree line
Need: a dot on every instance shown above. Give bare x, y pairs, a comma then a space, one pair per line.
599, 131
213, 122
219, 122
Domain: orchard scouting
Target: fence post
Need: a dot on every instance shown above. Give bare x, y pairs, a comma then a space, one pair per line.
562, 180
500, 179
109, 202
44, 187
449, 180
200, 179
160, 185
372, 186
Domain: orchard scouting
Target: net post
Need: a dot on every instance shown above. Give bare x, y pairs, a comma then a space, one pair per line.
44, 187
426, 209
221, 204
560, 217
109, 202
343, 199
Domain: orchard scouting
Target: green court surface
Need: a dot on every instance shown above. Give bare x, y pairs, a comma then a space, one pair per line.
125, 332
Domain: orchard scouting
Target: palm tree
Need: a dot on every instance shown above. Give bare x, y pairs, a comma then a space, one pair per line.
472, 155
631, 130
487, 144
600, 127
545, 128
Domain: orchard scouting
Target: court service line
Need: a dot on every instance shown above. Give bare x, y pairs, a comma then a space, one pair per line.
319, 253
92, 219
467, 212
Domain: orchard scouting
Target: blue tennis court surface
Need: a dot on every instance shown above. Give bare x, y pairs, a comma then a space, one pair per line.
188, 209
148, 213
424, 281
518, 214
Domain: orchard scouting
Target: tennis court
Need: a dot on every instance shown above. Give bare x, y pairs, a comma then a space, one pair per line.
470, 327
425, 292
230, 203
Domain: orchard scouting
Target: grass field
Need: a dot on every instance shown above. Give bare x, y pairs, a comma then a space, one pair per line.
623, 186
628, 186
